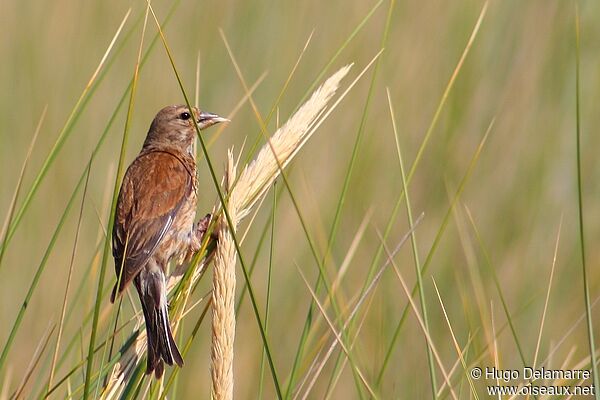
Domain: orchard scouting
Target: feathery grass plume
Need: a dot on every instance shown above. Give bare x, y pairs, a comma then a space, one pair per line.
223, 300
257, 176
252, 184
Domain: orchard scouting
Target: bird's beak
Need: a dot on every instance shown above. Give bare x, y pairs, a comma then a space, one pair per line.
206, 119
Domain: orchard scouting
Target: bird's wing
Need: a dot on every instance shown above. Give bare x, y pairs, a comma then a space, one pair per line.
153, 190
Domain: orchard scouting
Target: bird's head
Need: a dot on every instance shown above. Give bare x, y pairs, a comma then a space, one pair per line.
173, 126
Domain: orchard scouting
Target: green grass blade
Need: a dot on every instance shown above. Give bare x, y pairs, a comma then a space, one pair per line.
447, 90
107, 242
259, 246
492, 271
69, 276
322, 277
134, 81
417, 160
270, 270
415, 251
350, 169
586, 289
13, 202
358, 139
339, 50
283, 90
134, 386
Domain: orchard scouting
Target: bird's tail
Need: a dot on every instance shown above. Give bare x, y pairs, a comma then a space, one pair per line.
161, 345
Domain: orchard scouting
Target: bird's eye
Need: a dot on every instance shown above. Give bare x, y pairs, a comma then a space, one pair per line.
185, 115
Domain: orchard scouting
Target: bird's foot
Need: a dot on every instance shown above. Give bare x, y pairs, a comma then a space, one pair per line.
202, 227
199, 232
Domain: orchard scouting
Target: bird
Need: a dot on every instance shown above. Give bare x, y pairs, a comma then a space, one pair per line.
154, 222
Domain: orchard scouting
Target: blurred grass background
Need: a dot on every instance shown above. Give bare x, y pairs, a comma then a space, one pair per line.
520, 71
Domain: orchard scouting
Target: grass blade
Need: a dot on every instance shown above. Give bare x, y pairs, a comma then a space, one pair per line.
337, 335
134, 81
270, 270
107, 242
550, 281
353, 157
456, 346
413, 306
415, 251
447, 90
363, 295
586, 289
492, 270
13, 201
69, 275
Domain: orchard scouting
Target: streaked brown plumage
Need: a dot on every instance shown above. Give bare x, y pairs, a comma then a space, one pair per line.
154, 222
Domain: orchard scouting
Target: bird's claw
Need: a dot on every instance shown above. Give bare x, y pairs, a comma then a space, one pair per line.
199, 232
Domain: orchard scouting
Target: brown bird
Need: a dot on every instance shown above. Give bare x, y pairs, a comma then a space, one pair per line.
154, 222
